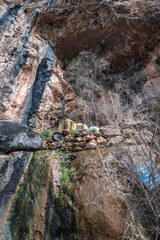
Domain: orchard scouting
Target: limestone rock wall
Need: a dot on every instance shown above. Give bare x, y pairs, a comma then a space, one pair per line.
35, 33
29, 182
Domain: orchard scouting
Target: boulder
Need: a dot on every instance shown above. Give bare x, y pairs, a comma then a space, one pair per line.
18, 137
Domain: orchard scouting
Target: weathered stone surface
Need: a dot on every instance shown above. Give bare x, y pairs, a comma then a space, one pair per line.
78, 134
28, 61
79, 139
89, 138
98, 216
86, 132
57, 136
55, 145
23, 203
91, 145
115, 140
77, 149
101, 141
17, 137
68, 138
68, 144
65, 132
96, 133
75, 144
109, 131
82, 144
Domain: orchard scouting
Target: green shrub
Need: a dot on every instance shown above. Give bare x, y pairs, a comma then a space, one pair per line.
143, 78
67, 62
121, 145
156, 106
59, 152
47, 133
57, 193
65, 174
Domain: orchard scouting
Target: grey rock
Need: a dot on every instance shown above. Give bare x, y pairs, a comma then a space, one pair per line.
18, 137
57, 136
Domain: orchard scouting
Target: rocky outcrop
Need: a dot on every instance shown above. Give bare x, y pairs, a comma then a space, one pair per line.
34, 34
18, 137
36, 200
28, 185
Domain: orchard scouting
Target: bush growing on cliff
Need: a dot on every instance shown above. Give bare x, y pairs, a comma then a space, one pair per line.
141, 197
66, 174
156, 106
47, 133
83, 75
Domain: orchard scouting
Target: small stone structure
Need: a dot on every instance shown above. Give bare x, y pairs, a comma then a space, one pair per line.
78, 137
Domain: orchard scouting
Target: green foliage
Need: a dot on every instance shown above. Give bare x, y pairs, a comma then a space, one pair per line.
66, 63
47, 133
59, 152
143, 78
0, 177
57, 193
156, 106
74, 131
65, 174
121, 145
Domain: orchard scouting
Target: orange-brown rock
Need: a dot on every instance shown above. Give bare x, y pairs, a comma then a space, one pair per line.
68, 144
79, 139
101, 141
68, 138
33, 87
89, 138
98, 216
91, 145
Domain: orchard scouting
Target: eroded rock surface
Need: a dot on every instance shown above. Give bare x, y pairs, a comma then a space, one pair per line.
18, 137
35, 33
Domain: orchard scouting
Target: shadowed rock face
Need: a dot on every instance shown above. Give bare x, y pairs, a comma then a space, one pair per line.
125, 31
28, 185
17, 137
33, 86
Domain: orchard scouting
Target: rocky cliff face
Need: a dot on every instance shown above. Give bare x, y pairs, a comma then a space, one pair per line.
35, 34
36, 37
